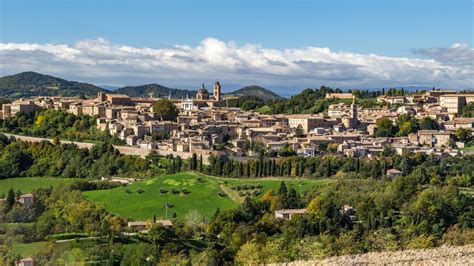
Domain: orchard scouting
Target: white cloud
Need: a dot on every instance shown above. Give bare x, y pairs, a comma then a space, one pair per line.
103, 62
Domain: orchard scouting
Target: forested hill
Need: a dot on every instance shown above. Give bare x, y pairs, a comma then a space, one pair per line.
156, 90
256, 91
28, 84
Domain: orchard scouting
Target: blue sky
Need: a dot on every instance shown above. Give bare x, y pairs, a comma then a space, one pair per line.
385, 28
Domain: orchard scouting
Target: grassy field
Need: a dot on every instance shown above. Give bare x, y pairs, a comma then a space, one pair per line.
28, 184
27, 250
203, 195
469, 148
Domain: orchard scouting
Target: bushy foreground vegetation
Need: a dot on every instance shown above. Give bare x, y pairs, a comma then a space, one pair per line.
52, 123
23, 159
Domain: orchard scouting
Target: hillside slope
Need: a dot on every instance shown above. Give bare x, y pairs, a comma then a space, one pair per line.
156, 90
255, 91
29, 84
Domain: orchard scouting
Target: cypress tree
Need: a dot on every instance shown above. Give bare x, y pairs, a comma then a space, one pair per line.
273, 168
292, 199
10, 199
200, 163
328, 170
194, 162
257, 168
179, 163
288, 168
282, 190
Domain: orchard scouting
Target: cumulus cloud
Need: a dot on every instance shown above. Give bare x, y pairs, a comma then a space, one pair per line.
103, 62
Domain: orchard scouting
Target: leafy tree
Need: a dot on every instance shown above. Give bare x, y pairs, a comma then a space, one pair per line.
427, 123
166, 110
468, 110
463, 134
299, 131
384, 128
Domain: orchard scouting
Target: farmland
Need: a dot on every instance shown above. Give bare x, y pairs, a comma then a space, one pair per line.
184, 192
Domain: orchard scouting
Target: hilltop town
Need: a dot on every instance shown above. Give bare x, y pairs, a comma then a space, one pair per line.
206, 125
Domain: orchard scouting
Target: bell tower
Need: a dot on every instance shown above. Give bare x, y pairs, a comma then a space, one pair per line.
217, 91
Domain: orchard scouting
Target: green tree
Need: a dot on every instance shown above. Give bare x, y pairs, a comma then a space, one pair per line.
299, 131
463, 134
468, 110
166, 110
405, 129
10, 201
384, 127
282, 190
427, 123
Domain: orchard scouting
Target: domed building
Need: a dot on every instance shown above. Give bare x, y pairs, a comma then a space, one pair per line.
202, 93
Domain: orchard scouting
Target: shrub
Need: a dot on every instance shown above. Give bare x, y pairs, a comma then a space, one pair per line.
241, 193
221, 194
140, 191
163, 190
128, 191
174, 190
185, 190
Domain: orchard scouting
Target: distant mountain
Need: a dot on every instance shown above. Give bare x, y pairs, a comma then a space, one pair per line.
255, 91
155, 90
28, 84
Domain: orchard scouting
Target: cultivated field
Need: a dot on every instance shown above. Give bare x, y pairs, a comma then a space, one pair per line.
184, 192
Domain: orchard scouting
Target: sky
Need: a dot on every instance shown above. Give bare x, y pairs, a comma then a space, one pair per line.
282, 45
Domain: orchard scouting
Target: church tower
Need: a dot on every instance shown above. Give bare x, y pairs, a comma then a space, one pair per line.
217, 91
354, 119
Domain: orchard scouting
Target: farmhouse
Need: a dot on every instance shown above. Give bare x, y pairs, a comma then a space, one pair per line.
26, 262
27, 199
288, 214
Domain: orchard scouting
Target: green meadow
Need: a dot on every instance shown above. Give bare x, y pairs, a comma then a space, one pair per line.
28, 184
205, 194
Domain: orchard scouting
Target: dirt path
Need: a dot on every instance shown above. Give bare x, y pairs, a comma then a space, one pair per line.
232, 194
